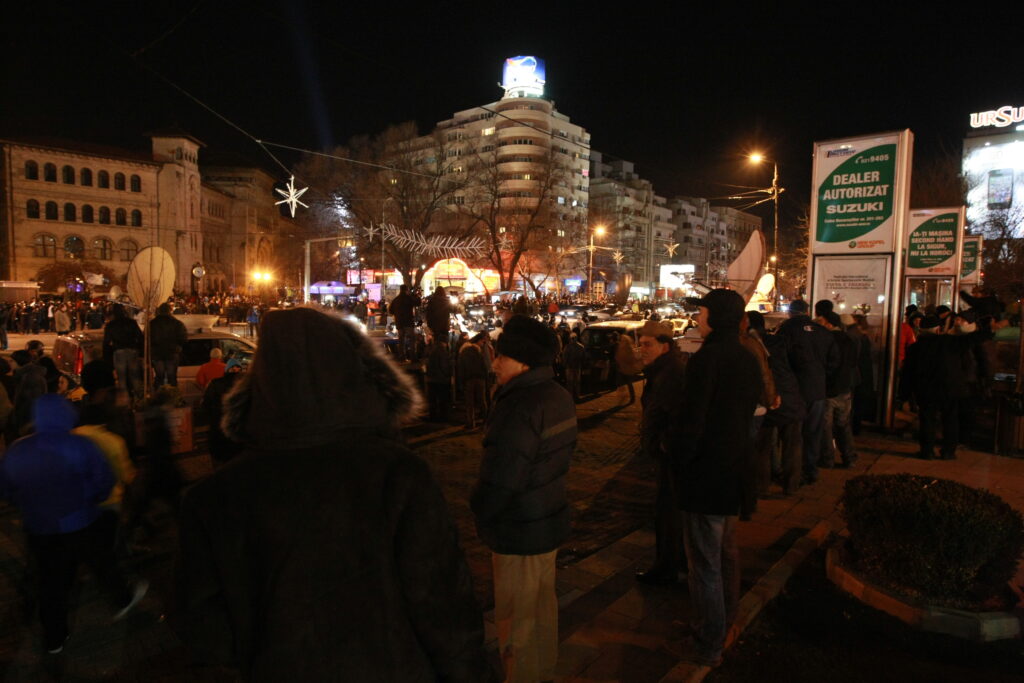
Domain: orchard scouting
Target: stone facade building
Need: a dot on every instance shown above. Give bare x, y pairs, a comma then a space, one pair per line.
73, 201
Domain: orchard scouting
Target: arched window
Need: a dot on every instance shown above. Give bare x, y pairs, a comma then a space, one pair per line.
32, 209
74, 247
121, 217
103, 248
67, 175
136, 183
44, 246
128, 249
102, 179
69, 212
136, 218
85, 177
105, 215
87, 216
31, 170
119, 181
50, 173
51, 211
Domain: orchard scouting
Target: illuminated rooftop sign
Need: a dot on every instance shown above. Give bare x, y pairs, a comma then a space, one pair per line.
523, 77
1000, 118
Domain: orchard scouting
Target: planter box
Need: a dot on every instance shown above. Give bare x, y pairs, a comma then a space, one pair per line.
975, 626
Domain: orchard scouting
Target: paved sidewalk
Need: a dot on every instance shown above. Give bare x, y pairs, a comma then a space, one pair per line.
611, 627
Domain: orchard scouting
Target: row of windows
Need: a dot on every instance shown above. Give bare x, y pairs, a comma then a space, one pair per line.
51, 212
44, 245
67, 176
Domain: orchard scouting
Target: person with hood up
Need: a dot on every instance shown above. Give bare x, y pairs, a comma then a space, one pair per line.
57, 480
30, 383
520, 504
710, 443
325, 551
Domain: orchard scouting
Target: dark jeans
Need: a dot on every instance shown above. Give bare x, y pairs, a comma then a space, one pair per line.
669, 555
714, 581
407, 342
628, 381
837, 427
166, 372
126, 368
57, 559
814, 425
949, 411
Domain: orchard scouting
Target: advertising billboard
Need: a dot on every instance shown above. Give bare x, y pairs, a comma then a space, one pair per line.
993, 169
933, 241
860, 193
970, 269
675, 276
523, 76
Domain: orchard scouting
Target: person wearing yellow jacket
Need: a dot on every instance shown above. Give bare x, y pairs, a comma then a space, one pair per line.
113, 447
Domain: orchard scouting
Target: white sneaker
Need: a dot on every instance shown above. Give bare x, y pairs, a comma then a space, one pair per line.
137, 594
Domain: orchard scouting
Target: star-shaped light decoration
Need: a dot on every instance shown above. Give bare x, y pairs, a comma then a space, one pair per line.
618, 256
671, 248
372, 231
291, 196
505, 244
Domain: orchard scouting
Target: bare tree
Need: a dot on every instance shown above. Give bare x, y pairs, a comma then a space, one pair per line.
1003, 251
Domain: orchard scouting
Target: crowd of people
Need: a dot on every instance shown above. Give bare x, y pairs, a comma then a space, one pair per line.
322, 548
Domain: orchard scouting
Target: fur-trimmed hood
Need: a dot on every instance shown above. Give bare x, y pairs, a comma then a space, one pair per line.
315, 379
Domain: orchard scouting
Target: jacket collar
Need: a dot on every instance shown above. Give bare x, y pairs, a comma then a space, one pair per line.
527, 379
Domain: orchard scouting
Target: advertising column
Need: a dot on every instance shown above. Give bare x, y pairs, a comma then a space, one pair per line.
934, 247
859, 201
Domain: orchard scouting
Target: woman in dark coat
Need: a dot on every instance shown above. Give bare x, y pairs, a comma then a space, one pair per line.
324, 552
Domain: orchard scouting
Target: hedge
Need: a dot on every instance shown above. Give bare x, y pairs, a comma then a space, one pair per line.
935, 538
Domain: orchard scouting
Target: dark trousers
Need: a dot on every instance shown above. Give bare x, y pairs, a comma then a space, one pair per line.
837, 428
473, 397
628, 381
439, 398
669, 554
57, 558
813, 429
573, 381
787, 436
948, 409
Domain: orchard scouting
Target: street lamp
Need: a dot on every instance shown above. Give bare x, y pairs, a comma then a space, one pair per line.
774, 192
598, 230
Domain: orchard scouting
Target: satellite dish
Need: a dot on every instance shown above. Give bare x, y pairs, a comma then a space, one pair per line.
151, 278
765, 285
114, 294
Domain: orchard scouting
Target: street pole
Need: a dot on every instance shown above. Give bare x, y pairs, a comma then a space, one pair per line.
775, 239
590, 274
305, 277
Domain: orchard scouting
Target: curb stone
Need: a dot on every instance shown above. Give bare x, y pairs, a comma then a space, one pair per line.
980, 627
763, 592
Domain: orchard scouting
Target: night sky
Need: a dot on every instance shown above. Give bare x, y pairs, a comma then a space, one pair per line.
684, 93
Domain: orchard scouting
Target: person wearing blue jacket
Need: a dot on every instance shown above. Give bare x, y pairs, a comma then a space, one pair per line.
57, 480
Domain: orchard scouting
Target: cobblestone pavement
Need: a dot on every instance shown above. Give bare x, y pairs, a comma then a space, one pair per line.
611, 628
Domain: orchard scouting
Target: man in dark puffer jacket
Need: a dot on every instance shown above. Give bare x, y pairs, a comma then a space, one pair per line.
520, 503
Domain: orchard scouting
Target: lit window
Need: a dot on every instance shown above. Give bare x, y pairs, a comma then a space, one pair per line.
487, 131
501, 229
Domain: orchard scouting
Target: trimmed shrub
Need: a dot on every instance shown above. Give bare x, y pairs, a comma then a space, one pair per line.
933, 538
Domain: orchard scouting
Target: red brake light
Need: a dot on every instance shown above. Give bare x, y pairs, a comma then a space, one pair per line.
79, 358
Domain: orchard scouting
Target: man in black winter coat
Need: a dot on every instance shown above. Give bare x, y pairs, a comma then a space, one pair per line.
403, 308
935, 372
710, 444
664, 370
520, 502
839, 401
167, 337
122, 342
813, 356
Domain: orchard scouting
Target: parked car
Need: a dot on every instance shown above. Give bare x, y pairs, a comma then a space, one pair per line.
72, 351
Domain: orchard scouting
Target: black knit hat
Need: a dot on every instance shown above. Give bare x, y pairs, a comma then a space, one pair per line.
725, 308
528, 341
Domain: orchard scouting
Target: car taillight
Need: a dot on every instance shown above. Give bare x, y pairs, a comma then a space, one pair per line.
79, 358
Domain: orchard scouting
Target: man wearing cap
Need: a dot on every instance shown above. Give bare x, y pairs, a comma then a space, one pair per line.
664, 370
520, 504
709, 445
813, 355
